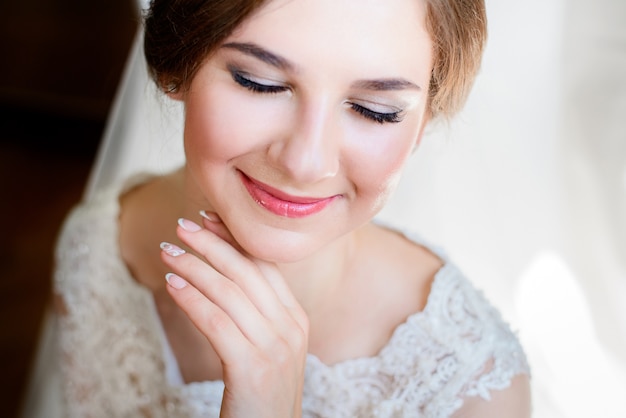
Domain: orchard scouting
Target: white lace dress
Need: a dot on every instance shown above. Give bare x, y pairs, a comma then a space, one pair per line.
116, 361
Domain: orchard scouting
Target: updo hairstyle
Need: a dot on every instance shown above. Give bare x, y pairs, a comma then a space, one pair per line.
181, 34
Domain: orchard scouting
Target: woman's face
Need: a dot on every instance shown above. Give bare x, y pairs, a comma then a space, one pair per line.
297, 128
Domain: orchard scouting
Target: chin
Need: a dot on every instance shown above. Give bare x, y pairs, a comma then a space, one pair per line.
282, 247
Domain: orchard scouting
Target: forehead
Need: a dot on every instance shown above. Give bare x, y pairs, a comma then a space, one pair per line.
375, 36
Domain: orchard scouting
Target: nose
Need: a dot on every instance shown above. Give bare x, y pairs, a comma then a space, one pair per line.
309, 148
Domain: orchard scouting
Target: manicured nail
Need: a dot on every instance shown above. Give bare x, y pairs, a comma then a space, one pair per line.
172, 249
210, 216
188, 225
175, 281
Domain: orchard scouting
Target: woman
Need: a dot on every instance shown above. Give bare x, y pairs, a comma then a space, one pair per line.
282, 297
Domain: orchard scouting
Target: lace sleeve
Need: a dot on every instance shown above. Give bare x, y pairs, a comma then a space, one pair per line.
455, 354
488, 355
111, 358
510, 402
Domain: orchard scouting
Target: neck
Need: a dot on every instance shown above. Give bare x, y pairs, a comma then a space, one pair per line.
316, 279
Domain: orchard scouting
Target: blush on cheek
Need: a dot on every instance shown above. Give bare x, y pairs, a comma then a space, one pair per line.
381, 157
377, 169
389, 143
386, 188
224, 124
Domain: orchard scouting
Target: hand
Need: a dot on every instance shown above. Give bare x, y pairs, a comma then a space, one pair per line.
247, 312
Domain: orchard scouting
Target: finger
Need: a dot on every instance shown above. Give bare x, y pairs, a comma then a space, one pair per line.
219, 290
216, 325
277, 281
234, 265
280, 308
212, 222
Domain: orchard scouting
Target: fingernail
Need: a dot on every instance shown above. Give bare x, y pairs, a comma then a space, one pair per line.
210, 216
175, 281
188, 225
172, 249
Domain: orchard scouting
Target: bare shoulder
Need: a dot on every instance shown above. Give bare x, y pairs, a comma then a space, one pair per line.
156, 190
146, 218
409, 267
511, 402
405, 256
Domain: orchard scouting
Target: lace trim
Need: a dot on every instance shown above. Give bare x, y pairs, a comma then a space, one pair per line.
114, 365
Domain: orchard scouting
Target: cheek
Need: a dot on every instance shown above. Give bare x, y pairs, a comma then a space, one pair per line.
221, 125
378, 159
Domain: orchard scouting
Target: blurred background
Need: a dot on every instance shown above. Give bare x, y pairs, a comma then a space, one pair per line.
62, 61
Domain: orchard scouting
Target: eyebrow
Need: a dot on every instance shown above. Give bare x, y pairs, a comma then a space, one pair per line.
260, 53
386, 84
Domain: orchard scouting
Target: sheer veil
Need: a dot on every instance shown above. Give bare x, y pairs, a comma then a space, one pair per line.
144, 130
526, 191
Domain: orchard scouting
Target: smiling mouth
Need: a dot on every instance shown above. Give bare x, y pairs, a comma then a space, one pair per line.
283, 204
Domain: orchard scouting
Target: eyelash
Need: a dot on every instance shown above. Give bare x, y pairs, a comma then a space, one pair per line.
378, 117
393, 117
256, 87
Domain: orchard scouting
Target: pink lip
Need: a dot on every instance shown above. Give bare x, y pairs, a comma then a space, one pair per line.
283, 204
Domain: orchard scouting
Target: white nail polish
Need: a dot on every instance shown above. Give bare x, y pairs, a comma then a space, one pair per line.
175, 281
210, 216
172, 249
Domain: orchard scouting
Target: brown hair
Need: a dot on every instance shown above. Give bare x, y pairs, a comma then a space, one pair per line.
180, 34
458, 29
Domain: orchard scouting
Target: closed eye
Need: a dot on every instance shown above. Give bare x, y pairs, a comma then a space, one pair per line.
254, 86
245, 81
378, 117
